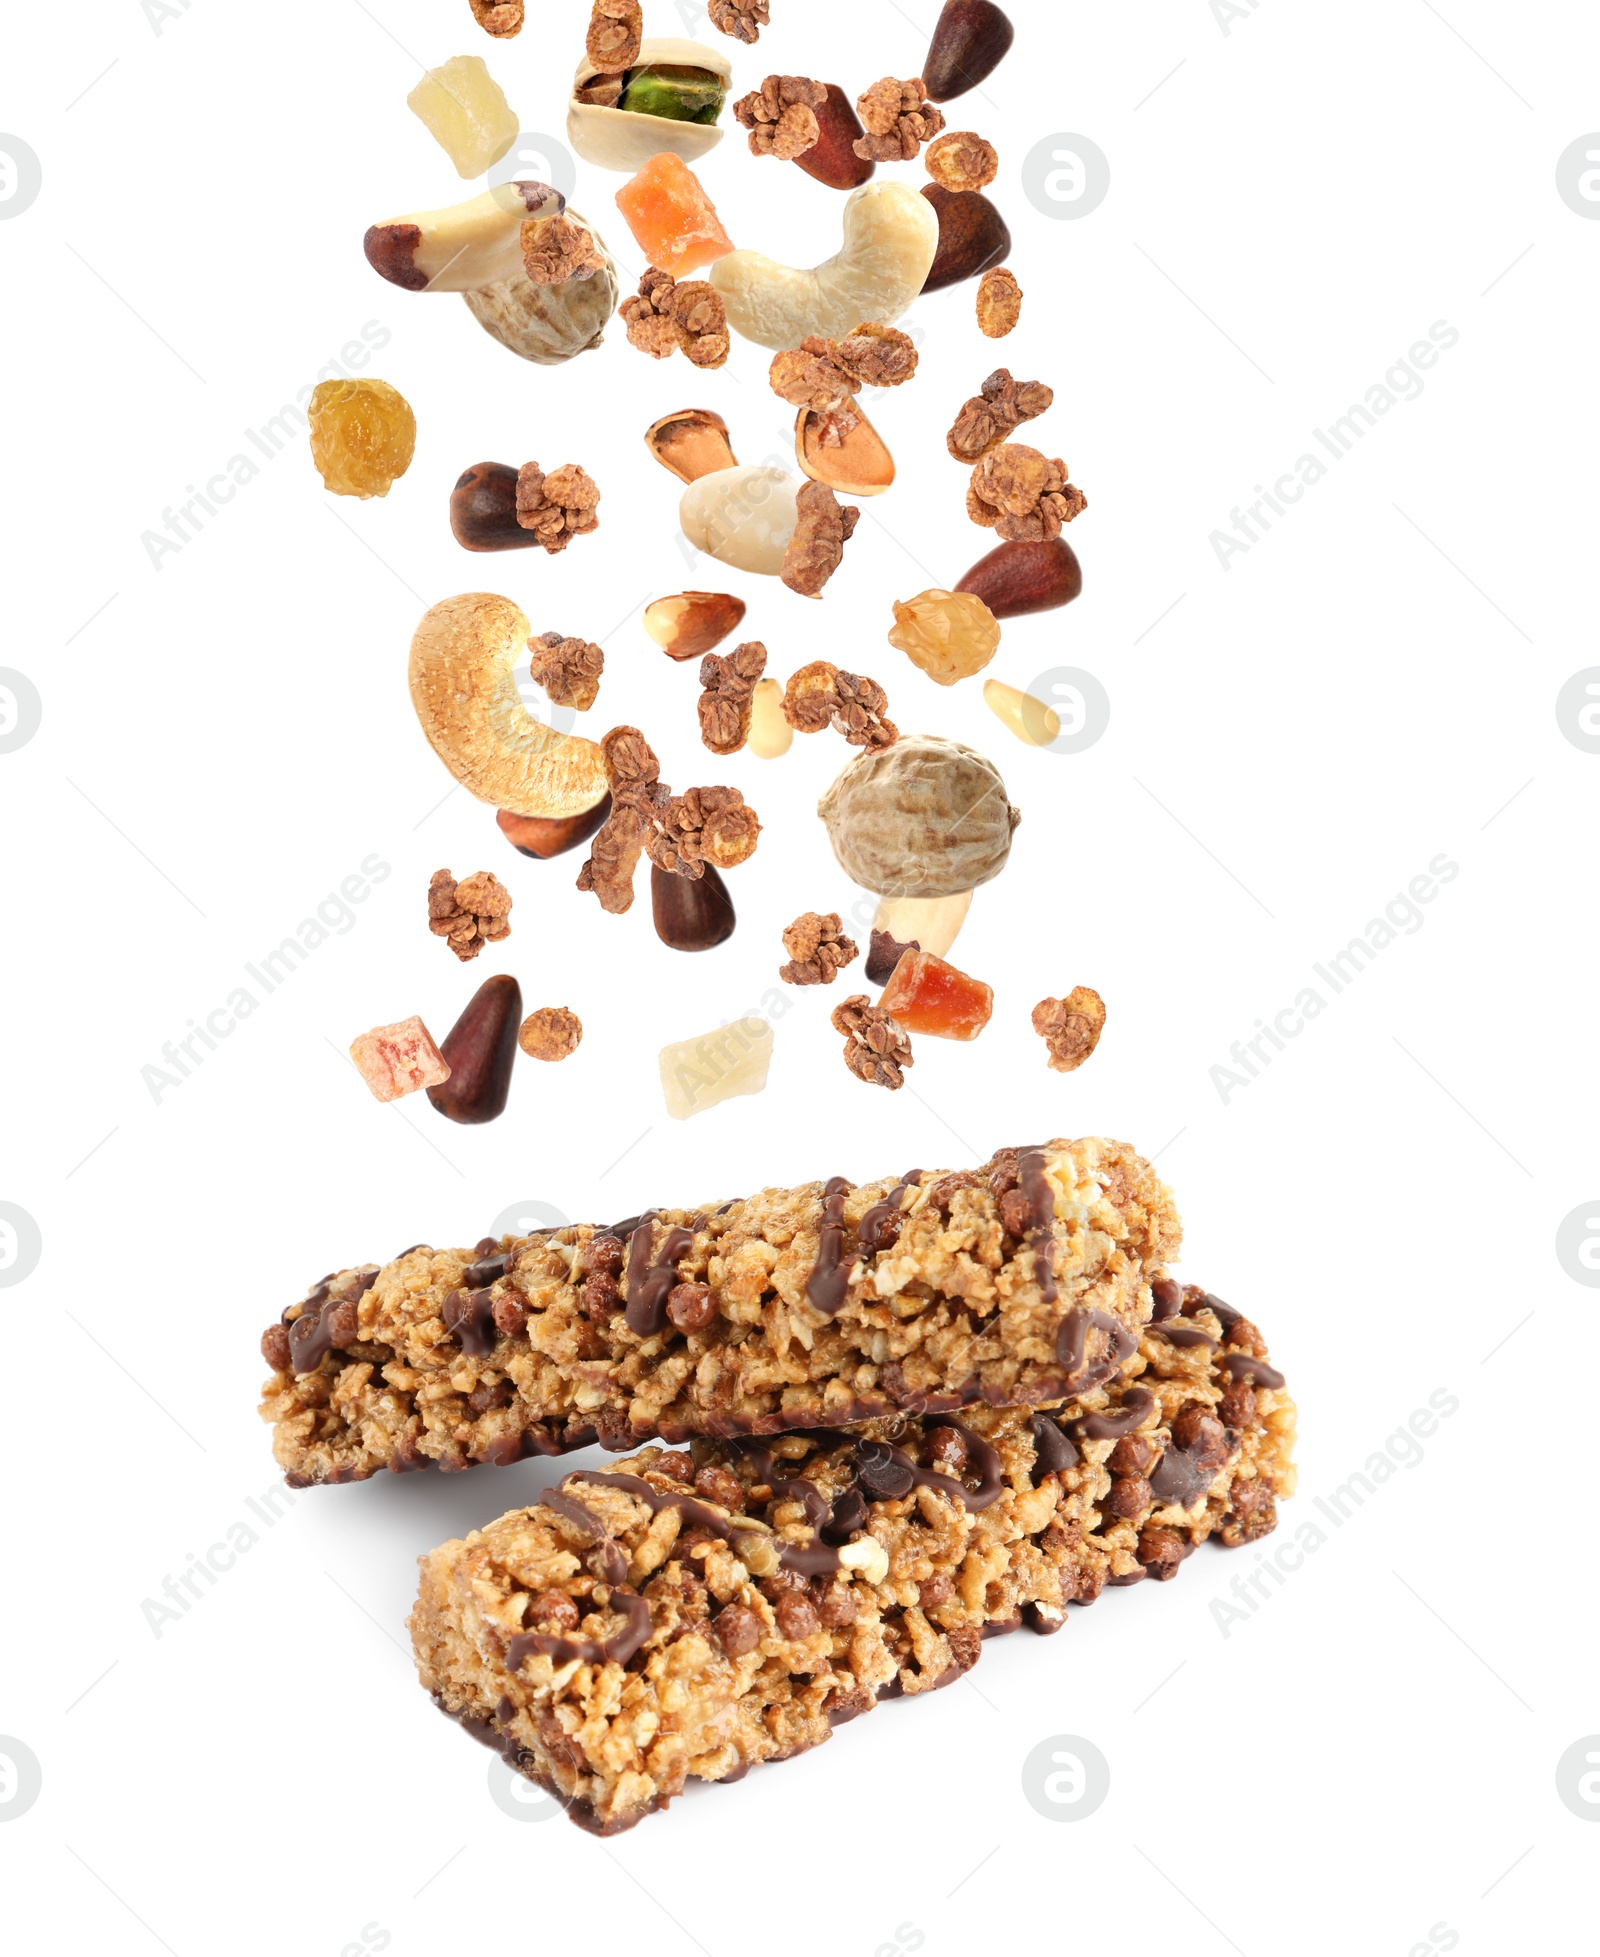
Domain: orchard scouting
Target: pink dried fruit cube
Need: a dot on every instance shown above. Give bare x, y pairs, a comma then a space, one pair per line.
396, 1060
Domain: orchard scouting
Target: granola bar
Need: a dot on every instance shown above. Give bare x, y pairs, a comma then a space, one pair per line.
696, 1614
1014, 1284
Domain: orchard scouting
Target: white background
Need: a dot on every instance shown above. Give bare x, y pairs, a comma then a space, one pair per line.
1293, 203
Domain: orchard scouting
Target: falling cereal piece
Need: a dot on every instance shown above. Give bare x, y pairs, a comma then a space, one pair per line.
464, 109
934, 922
551, 1033
396, 1060
1029, 719
770, 733
925, 995
673, 221
999, 303
718, 1066
1071, 1027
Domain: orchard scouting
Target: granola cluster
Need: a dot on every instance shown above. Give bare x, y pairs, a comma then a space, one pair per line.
781, 116
469, 914
962, 160
559, 506
989, 418
897, 119
555, 249
681, 834
999, 303
816, 549
568, 669
1070, 1027
502, 18
551, 1033
875, 1049
727, 701
664, 318
1023, 495
819, 695
818, 949
616, 28
743, 20
823, 375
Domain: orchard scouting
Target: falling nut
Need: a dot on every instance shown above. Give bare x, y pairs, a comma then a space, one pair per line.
691, 624
931, 923
483, 509
690, 913
460, 247
1017, 580
462, 659
691, 443
616, 138
1029, 719
857, 463
770, 732
543, 837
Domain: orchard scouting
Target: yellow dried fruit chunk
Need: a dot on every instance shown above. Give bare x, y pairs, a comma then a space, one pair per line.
697, 1074
363, 435
465, 111
950, 635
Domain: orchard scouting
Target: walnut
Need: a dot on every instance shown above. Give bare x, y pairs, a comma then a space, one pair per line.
820, 534
989, 417
556, 507
999, 303
664, 317
819, 696
818, 949
781, 116
555, 249
962, 161
568, 669
1023, 495
876, 1050
897, 121
615, 31
728, 701
470, 914
742, 19
551, 1033
1071, 1027
502, 18
701, 826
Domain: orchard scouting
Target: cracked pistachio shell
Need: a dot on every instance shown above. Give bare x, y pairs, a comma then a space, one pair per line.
620, 139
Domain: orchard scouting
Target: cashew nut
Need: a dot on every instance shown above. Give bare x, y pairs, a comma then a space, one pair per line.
462, 659
464, 246
890, 238
622, 139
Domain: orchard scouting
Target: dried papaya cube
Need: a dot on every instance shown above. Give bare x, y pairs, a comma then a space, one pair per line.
673, 221
925, 995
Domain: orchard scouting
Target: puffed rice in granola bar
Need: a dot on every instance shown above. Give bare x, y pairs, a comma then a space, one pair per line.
695, 1615
1013, 1284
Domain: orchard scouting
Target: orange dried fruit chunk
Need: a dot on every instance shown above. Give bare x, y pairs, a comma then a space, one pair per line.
925, 995
673, 221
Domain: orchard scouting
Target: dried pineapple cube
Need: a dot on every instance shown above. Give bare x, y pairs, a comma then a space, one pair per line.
466, 113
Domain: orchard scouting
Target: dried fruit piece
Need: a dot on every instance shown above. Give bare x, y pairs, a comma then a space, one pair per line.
923, 818
673, 221
616, 28
398, 1059
1017, 580
832, 159
925, 995
717, 1066
770, 734
743, 20
363, 436
884, 952
726, 704
690, 913
988, 418
970, 41
897, 120
551, 1033
818, 949
962, 160
692, 623
1023, 494
781, 116
972, 236
691, 443
501, 18
816, 547
1029, 719
743, 517
928, 923
1071, 1027
480, 1050
875, 1049
568, 669
999, 303
469, 914
465, 111
948, 635
559, 506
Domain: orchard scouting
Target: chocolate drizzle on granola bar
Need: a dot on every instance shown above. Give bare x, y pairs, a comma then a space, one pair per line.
881, 1226
829, 1282
649, 1285
614, 1650
1072, 1344
1040, 1199
1053, 1450
1133, 1412
1240, 1366
469, 1316
325, 1322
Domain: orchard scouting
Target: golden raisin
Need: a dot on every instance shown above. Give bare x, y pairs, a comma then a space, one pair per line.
363, 435
949, 634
